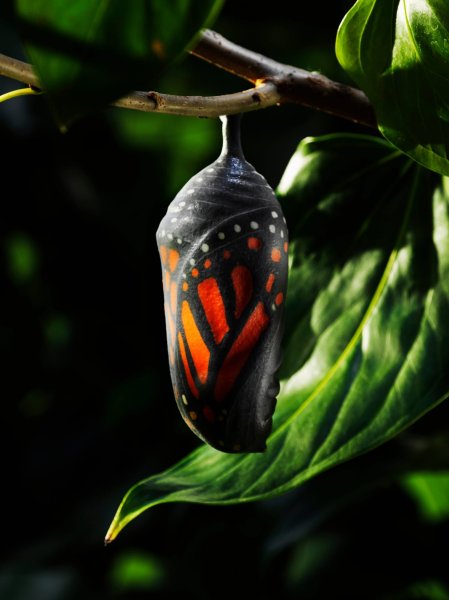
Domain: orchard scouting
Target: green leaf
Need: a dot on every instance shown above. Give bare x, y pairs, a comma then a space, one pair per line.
398, 51
22, 258
430, 490
137, 571
430, 589
89, 53
366, 348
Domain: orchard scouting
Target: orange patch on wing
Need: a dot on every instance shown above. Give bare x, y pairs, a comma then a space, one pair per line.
185, 286
279, 299
190, 381
207, 263
173, 258
275, 255
167, 316
173, 290
226, 254
209, 414
270, 282
285, 247
198, 349
240, 351
167, 281
170, 325
214, 308
163, 251
243, 287
195, 272
254, 243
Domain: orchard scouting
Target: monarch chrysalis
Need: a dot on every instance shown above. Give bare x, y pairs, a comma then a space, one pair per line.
223, 245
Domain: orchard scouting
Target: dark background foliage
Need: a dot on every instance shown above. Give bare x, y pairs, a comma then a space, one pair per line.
86, 398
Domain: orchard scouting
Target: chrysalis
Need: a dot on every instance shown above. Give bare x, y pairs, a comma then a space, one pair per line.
223, 245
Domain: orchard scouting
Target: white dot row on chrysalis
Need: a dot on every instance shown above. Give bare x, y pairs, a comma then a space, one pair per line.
221, 235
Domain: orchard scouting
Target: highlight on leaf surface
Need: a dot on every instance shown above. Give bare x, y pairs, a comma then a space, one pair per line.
398, 53
368, 302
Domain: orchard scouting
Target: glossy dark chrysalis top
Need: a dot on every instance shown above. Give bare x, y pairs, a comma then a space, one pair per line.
223, 245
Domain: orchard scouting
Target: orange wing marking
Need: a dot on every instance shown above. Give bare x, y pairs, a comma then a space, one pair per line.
188, 372
173, 290
243, 288
254, 243
167, 315
170, 324
173, 258
198, 349
275, 255
209, 414
163, 251
214, 308
171, 334
240, 351
270, 282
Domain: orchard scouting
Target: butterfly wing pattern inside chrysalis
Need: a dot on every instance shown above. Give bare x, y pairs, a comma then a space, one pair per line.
223, 245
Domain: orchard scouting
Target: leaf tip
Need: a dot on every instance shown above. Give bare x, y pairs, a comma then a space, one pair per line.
113, 531
110, 536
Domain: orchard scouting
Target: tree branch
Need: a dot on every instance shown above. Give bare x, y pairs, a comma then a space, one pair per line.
275, 83
262, 96
295, 86
18, 70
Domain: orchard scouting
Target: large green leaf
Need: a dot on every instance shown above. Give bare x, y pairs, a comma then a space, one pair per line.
366, 349
398, 52
88, 53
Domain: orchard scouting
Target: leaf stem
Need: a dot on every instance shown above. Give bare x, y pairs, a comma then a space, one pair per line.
20, 92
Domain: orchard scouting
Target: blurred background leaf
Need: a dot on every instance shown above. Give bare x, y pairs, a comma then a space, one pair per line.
431, 493
90, 53
136, 571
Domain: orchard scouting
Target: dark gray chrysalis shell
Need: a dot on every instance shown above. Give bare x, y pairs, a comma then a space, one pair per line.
223, 246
